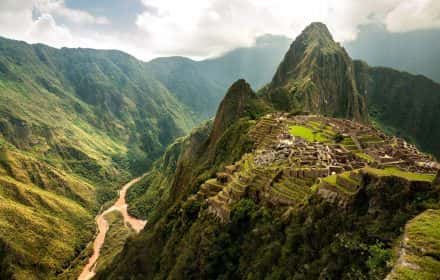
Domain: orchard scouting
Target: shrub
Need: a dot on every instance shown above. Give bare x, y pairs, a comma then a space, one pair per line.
338, 138
378, 259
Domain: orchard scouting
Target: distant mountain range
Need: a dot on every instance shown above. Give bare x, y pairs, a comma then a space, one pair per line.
417, 52
297, 180
76, 123
202, 84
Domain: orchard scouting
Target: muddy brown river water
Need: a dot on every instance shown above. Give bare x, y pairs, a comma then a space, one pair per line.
120, 205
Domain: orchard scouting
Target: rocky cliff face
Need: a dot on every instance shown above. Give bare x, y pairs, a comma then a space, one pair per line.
317, 76
402, 104
248, 198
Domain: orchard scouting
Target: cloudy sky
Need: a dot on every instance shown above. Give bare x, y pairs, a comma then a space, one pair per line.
199, 28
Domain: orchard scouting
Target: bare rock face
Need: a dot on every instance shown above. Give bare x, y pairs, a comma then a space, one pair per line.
317, 76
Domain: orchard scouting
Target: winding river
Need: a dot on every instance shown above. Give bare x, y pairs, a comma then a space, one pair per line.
120, 205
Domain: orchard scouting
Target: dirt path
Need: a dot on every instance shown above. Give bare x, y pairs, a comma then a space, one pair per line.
120, 205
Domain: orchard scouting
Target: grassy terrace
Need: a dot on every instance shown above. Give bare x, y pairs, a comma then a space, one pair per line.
393, 171
307, 134
292, 188
422, 233
332, 181
364, 156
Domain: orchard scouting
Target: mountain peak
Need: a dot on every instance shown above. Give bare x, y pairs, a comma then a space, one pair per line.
233, 106
316, 75
316, 32
317, 27
239, 87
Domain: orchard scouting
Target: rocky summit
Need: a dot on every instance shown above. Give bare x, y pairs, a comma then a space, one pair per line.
329, 171
317, 76
294, 181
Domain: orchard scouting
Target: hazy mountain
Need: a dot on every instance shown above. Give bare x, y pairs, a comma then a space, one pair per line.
417, 52
255, 64
201, 84
280, 194
76, 123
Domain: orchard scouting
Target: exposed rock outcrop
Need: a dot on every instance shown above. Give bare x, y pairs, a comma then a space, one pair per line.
317, 76
407, 103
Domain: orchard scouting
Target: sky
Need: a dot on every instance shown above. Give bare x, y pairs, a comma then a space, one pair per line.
199, 28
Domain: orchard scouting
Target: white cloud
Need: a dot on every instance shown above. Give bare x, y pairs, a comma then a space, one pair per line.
202, 28
15, 17
411, 15
17, 21
45, 29
58, 7
206, 27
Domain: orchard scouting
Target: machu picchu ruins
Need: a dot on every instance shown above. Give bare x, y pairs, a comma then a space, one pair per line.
295, 155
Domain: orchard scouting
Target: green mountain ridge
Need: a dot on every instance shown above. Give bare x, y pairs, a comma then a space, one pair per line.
266, 194
201, 84
77, 123
414, 51
74, 125
317, 76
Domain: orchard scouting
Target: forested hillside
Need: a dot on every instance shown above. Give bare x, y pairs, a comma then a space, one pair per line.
202, 84
270, 191
74, 125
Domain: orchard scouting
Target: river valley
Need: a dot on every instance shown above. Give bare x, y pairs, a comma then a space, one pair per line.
120, 205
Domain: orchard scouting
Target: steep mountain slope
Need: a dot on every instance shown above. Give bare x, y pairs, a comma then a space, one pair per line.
263, 194
317, 76
274, 207
74, 125
415, 51
239, 102
255, 64
189, 84
201, 84
298, 85
403, 104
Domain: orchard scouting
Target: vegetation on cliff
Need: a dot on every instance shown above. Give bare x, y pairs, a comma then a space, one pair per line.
307, 197
343, 232
74, 125
317, 76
